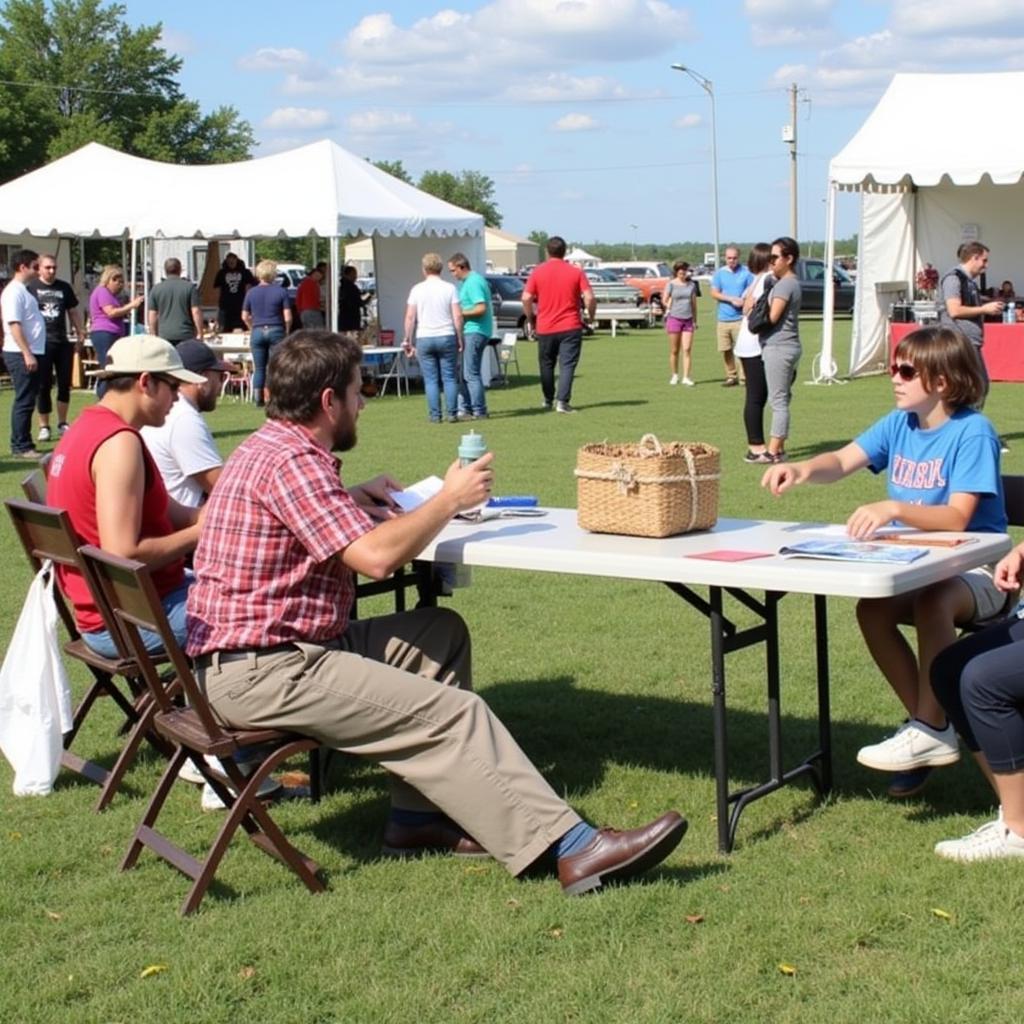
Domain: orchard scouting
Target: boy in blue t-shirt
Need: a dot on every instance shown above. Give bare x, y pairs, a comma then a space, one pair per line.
941, 459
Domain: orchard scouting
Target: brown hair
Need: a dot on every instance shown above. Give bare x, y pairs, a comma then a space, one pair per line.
680, 265
303, 366
758, 261
968, 250
944, 352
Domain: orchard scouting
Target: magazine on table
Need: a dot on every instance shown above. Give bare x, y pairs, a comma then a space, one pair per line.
853, 550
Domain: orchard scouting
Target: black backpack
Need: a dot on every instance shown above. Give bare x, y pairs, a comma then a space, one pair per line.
758, 320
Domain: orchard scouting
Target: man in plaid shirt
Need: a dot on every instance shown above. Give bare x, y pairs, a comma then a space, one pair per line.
269, 629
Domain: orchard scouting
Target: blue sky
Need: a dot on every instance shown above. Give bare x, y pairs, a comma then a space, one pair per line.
571, 107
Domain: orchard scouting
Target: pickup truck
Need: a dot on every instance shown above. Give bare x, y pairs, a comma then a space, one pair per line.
649, 277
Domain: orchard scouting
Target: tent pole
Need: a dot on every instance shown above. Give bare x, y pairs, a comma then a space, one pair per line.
824, 369
131, 292
332, 292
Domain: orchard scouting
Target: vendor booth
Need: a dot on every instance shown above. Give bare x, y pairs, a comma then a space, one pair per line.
925, 187
319, 189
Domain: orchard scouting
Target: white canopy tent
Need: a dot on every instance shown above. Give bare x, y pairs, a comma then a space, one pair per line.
319, 189
581, 257
926, 184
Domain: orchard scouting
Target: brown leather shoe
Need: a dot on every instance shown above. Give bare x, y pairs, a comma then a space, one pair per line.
442, 836
614, 855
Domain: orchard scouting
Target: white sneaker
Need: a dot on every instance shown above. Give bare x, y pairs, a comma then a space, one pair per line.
993, 841
914, 745
564, 407
44, 434
688, 382
188, 772
673, 380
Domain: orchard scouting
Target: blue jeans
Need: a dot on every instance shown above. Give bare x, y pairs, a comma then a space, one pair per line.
174, 608
439, 363
26, 389
101, 342
471, 389
262, 341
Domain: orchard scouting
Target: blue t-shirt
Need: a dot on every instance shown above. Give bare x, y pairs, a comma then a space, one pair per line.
474, 289
925, 467
732, 283
267, 303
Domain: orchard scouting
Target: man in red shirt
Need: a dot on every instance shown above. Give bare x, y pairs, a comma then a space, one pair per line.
308, 301
558, 289
103, 474
269, 629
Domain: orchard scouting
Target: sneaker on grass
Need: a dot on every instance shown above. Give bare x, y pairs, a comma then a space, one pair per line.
913, 745
993, 841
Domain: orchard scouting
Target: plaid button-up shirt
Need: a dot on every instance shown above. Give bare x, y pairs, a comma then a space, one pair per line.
267, 566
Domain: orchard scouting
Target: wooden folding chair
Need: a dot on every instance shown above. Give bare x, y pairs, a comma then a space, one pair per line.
195, 731
47, 533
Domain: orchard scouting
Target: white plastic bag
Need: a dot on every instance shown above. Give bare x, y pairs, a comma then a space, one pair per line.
35, 699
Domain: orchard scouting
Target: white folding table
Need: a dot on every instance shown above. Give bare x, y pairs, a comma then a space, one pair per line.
555, 543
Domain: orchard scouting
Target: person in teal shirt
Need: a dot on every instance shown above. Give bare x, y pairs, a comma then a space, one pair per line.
475, 300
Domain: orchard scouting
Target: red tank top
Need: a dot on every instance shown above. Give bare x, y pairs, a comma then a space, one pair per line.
70, 486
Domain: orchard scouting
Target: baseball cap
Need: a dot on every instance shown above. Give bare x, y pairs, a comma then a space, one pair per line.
197, 356
146, 353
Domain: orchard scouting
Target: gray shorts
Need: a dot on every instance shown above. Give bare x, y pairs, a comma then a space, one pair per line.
989, 601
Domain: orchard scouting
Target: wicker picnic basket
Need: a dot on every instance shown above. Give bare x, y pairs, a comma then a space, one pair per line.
647, 489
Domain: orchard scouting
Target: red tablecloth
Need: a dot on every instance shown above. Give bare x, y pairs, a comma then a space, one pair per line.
1003, 350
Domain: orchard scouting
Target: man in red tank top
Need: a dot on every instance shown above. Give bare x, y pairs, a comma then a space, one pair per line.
103, 475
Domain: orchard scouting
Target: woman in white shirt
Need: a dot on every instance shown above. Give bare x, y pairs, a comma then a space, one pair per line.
748, 350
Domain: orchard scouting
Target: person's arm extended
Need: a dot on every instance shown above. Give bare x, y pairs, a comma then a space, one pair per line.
120, 312
197, 320
18, 336
286, 313
460, 323
119, 473
206, 478
474, 312
78, 325
822, 469
393, 543
529, 312
867, 519
152, 321
958, 311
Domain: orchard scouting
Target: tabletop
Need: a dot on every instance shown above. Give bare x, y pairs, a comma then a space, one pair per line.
555, 543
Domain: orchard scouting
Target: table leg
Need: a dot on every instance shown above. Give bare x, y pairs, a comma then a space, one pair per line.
824, 705
717, 621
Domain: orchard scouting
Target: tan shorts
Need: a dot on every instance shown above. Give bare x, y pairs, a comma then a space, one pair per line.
728, 334
989, 601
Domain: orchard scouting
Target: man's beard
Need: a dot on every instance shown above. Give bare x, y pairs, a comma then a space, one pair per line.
345, 436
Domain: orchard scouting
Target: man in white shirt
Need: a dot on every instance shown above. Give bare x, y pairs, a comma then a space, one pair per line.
24, 342
183, 448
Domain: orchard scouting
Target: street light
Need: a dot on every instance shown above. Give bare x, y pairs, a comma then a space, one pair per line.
705, 84
633, 247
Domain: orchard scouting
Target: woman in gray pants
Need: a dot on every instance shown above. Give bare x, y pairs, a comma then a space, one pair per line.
781, 342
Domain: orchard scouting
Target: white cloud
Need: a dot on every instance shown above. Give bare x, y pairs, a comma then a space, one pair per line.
936, 17
560, 87
173, 41
521, 34
381, 122
301, 118
790, 22
269, 58
575, 123
687, 121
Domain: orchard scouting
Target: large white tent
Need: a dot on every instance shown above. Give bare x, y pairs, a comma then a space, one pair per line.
319, 189
932, 173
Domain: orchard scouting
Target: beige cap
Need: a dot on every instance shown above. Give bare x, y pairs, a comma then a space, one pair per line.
146, 353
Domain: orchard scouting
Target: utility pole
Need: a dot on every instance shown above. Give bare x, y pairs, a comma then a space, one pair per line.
792, 162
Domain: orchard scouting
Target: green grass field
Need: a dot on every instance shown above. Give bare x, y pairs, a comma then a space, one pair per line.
606, 685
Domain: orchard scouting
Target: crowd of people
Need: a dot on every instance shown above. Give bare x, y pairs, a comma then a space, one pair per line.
141, 477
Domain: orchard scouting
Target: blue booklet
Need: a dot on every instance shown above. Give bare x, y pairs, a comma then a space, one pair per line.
854, 551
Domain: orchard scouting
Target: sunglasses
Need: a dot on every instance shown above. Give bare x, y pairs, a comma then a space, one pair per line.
172, 382
775, 256
903, 370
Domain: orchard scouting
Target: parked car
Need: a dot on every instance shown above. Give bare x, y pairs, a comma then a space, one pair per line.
812, 285
649, 277
507, 292
609, 290
289, 276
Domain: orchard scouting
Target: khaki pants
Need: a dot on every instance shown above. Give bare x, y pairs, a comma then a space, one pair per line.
397, 690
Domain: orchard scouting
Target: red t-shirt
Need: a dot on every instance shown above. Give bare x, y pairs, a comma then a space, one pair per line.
557, 288
70, 486
307, 295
